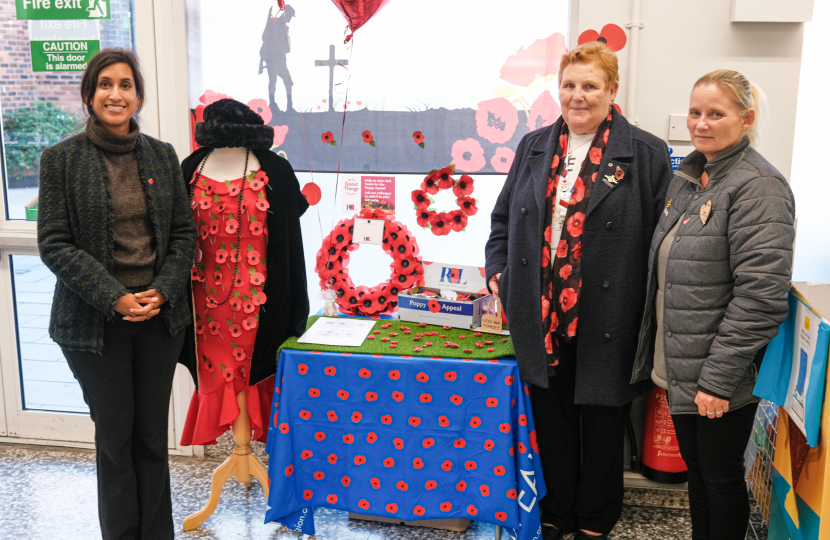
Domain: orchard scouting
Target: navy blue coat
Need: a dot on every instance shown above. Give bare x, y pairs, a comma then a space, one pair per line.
618, 227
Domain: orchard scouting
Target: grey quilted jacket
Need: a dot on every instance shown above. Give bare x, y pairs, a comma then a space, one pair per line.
726, 279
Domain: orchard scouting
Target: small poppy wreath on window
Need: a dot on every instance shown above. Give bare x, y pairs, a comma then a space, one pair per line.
442, 223
333, 260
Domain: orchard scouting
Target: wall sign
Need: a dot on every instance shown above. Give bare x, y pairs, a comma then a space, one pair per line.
63, 55
62, 9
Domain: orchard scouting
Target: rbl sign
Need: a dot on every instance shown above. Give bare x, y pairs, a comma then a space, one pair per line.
452, 275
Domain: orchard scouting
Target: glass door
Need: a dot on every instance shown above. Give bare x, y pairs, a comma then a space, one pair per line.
40, 106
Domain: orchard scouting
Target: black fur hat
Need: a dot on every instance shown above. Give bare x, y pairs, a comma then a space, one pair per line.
229, 124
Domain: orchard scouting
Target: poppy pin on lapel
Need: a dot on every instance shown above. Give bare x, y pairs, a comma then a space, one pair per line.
705, 210
613, 179
150, 180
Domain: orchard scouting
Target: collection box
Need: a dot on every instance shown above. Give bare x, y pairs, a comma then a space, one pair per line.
466, 314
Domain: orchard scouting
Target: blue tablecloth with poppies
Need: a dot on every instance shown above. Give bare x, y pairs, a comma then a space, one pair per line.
409, 438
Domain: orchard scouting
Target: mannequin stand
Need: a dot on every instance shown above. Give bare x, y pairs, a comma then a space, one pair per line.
242, 464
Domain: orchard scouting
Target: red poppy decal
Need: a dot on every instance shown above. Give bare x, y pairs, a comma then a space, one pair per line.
348, 438
368, 137
359, 460
319, 436
496, 120
430, 485
289, 470
418, 138
456, 399
472, 510
468, 155
307, 494
371, 437
328, 138
422, 377
429, 442
363, 503
611, 34
345, 481
475, 422
484, 489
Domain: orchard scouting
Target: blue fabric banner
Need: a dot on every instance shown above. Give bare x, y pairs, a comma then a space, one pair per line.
798, 388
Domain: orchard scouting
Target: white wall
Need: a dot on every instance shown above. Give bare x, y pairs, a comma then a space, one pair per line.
682, 41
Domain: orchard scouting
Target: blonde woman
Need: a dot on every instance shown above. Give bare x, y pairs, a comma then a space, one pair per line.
719, 270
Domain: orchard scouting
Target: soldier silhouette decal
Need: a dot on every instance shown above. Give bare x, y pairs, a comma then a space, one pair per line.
275, 46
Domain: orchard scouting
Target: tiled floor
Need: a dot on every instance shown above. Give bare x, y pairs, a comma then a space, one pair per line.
49, 493
48, 383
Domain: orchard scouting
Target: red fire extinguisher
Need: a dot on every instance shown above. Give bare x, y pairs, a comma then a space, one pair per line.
661, 453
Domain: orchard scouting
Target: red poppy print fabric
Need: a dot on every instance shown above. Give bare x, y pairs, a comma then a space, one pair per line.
226, 332
562, 263
402, 437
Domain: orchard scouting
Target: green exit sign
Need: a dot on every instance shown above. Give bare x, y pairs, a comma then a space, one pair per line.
63, 55
35, 10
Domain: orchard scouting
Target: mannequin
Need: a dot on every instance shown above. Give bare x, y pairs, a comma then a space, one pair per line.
226, 163
237, 188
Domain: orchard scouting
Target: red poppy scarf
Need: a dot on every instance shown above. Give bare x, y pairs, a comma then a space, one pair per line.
562, 273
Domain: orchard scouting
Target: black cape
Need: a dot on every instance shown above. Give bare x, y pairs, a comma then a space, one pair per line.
286, 308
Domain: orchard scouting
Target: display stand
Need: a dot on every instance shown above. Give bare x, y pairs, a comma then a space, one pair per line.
242, 464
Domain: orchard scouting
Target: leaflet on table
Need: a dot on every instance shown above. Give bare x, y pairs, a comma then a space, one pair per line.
338, 332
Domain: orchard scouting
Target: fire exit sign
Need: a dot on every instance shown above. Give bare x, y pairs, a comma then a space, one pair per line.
62, 9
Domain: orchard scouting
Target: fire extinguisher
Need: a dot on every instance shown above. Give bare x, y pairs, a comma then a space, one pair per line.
661, 453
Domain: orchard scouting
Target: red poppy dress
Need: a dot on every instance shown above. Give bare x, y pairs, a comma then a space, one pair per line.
225, 334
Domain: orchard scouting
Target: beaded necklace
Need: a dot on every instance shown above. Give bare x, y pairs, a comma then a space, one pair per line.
238, 228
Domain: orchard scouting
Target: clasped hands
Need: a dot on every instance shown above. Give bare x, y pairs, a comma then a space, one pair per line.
140, 306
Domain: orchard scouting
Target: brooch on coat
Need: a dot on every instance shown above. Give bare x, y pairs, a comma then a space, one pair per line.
613, 179
705, 210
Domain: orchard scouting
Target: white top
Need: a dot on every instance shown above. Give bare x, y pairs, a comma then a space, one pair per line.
578, 146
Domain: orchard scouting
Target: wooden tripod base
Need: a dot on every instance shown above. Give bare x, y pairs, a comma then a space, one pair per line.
242, 464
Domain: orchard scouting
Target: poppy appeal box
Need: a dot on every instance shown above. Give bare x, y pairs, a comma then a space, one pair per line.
427, 306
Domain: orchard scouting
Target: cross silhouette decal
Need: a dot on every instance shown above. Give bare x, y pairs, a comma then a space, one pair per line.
331, 63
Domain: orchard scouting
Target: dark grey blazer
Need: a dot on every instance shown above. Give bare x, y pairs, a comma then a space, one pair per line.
75, 237
618, 227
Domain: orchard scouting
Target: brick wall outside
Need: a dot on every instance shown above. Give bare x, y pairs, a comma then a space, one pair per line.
21, 88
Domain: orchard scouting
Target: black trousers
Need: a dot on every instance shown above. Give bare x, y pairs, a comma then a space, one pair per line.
127, 388
714, 452
582, 453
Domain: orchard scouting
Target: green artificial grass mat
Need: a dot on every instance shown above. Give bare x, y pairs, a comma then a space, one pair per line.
406, 345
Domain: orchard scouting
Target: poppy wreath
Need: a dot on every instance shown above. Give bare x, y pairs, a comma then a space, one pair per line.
442, 223
333, 261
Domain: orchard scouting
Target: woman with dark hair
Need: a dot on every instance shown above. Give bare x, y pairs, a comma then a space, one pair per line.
114, 226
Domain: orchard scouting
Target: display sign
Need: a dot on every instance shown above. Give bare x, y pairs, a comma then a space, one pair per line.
63, 55
34, 10
372, 192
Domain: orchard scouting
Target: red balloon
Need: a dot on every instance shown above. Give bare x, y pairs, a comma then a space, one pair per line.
358, 12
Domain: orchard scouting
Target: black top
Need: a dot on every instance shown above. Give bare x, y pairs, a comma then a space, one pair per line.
285, 287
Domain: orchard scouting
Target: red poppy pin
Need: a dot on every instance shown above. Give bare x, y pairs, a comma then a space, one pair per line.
150, 180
